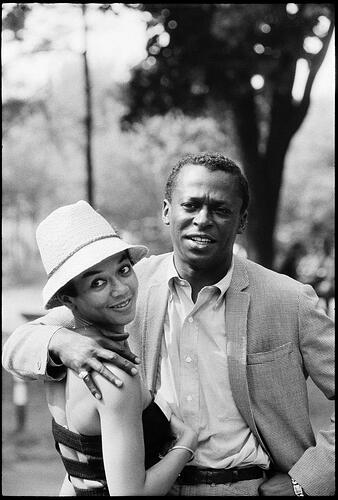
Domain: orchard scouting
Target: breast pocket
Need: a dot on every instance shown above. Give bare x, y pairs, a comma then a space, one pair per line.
275, 377
270, 356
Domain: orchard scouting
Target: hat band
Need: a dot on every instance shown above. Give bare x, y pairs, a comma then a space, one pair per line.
50, 274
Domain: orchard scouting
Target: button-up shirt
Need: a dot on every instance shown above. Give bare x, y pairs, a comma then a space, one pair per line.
194, 375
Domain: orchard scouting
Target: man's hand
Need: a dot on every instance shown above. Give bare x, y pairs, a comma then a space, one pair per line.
80, 352
278, 485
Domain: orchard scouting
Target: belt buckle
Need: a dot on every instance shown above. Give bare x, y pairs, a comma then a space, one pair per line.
235, 476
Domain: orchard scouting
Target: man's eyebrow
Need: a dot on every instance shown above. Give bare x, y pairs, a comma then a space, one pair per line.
195, 198
213, 201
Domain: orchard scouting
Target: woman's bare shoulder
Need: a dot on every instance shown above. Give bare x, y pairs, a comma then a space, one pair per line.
129, 394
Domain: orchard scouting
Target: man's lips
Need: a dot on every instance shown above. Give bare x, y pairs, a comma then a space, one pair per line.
201, 239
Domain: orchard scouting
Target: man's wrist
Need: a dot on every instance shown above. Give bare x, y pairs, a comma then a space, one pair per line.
298, 490
53, 361
53, 346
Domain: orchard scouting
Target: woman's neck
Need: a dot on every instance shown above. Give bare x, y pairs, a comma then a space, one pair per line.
81, 322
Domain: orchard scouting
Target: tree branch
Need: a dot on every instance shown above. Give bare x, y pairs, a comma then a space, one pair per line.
316, 64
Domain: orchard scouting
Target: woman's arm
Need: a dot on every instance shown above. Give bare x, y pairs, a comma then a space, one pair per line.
67, 489
123, 446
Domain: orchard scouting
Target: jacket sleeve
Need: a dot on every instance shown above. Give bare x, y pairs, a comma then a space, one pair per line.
25, 353
315, 470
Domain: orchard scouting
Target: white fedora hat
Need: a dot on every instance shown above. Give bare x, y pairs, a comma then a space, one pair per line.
72, 239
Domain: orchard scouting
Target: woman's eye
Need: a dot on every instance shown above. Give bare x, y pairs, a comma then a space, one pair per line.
97, 283
125, 269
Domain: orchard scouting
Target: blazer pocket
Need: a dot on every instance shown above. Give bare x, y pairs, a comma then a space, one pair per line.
268, 356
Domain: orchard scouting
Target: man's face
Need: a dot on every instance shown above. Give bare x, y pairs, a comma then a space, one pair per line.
204, 217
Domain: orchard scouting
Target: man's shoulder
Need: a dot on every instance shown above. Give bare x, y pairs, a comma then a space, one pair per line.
150, 266
260, 275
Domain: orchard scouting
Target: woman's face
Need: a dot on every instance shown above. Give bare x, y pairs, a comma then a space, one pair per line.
106, 293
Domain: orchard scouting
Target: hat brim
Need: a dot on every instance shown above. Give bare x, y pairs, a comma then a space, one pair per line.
82, 260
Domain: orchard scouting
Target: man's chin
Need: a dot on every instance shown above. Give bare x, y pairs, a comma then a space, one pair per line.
200, 261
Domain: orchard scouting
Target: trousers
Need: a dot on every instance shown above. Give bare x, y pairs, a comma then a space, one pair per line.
241, 488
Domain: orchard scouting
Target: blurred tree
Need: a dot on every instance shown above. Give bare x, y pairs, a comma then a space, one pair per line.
14, 16
88, 120
43, 144
243, 58
137, 163
307, 196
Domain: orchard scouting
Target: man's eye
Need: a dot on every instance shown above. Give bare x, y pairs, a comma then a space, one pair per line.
125, 269
189, 206
222, 211
97, 283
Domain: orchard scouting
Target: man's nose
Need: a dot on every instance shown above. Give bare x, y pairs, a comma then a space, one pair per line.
203, 217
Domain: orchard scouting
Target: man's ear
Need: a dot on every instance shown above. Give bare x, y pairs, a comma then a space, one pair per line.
166, 212
243, 222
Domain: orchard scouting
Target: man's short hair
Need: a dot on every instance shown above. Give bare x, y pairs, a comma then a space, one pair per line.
213, 162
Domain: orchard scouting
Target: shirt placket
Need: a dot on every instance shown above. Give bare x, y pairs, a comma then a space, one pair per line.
189, 393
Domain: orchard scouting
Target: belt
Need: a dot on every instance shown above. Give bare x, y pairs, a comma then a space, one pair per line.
198, 475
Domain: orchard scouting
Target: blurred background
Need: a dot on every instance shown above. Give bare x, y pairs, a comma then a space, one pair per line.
99, 101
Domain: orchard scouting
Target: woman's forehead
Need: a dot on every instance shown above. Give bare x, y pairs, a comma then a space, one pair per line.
113, 260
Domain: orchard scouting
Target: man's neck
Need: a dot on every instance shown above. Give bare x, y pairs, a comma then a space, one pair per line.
199, 278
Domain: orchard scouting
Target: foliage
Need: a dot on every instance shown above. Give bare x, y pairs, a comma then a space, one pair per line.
142, 160
191, 67
43, 163
242, 57
307, 200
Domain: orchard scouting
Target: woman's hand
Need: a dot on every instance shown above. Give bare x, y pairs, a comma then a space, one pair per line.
184, 434
82, 353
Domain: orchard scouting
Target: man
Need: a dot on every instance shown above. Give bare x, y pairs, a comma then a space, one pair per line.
227, 342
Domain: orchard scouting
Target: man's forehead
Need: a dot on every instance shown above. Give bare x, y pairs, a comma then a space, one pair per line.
197, 178
201, 173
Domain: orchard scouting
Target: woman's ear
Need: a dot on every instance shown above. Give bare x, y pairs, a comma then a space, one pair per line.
67, 301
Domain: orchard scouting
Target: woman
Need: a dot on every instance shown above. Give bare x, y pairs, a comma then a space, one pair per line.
110, 446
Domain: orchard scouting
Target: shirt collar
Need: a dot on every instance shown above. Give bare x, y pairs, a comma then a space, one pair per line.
223, 284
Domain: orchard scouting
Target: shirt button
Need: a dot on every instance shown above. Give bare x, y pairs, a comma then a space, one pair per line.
188, 359
190, 319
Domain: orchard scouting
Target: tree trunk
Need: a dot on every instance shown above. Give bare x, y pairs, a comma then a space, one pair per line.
263, 169
88, 116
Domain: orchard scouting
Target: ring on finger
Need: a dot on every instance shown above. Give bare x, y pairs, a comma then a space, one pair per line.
83, 374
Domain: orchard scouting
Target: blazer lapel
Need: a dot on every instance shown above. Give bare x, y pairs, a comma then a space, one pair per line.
155, 310
236, 314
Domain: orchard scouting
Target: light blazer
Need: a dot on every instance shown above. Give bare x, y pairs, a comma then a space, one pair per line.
276, 338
